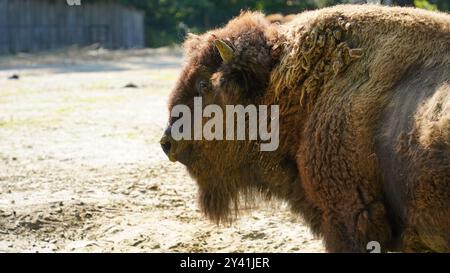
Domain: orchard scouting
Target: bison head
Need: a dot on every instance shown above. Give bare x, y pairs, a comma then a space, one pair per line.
228, 66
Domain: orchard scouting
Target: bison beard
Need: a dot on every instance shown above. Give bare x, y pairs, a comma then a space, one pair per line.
364, 98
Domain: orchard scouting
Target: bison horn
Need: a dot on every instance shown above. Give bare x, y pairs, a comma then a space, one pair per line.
226, 52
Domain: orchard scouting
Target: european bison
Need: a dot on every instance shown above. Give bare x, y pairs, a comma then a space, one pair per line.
364, 97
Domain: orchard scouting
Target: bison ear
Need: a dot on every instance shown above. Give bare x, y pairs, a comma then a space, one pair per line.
226, 52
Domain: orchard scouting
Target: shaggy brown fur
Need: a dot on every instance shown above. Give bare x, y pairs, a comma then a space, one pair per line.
364, 149
278, 18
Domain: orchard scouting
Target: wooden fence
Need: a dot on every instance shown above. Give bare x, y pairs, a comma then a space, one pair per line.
33, 25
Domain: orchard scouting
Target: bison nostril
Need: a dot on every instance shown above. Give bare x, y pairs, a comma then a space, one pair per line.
168, 144
165, 145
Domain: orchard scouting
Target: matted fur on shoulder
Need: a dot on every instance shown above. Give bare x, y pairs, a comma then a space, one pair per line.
319, 45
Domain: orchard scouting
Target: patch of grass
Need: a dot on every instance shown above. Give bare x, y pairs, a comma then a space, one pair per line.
17, 90
29, 122
93, 99
64, 110
133, 135
89, 100
165, 76
98, 86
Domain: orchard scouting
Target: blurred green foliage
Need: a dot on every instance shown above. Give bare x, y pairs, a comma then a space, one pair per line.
424, 4
168, 21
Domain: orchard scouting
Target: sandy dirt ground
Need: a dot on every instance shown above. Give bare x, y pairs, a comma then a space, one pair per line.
81, 169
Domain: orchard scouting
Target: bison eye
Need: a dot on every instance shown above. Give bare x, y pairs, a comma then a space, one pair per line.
203, 87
